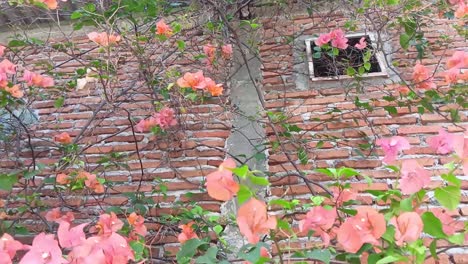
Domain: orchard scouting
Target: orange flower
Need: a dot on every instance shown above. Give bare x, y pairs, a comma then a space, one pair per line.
403, 89
210, 52
220, 183
92, 183
226, 51
253, 220
365, 227
51, 4
461, 11
103, 39
187, 233
422, 77
163, 29
192, 80
213, 88
458, 60
408, 227
63, 138
137, 222
15, 91
62, 179
108, 224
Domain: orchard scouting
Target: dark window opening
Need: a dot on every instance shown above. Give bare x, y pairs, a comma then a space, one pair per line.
326, 65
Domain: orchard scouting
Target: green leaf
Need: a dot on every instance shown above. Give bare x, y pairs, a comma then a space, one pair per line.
243, 194
393, 2
218, 229
209, 257
181, 45
7, 181
390, 259
327, 172
448, 196
406, 205
433, 249
347, 172
452, 179
322, 255
59, 102
262, 181
457, 239
188, 250
350, 71
302, 154
404, 40
76, 15
16, 43
367, 66
432, 225
138, 248
389, 234
241, 171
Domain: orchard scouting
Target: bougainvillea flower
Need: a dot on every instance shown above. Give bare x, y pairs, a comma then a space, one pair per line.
165, 118
163, 29
323, 39
213, 88
3, 79
187, 233
109, 223
320, 220
449, 224
451, 76
367, 226
253, 220
51, 4
55, 215
7, 66
2, 50
145, 125
15, 91
408, 227
342, 195
403, 89
103, 39
93, 183
362, 44
462, 10
8, 248
137, 222
220, 184
210, 52
422, 78
338, 39
445, 142
62, 178
458, 60
391, 147
226, 51
44, 250
193, 80
413, 177
63, 138
70, 237
36, 79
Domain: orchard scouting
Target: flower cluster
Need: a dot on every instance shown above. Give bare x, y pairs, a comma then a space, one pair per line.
164, 119
336, 37
197, 81
211, 52
103, 39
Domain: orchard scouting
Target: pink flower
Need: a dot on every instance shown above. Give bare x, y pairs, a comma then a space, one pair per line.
214, 88
165, 118
93, 183
320, 220
109, 223
342, 195
461, 11
210, 52
8, 248
391, 147
32, 78
137, 221
163, 29
323, 39
226, 51
338, 39
63, 138
145, 125
187, 233
362, 44
422, 78
452, 75
44, 250
2, 50
413, 177
103, 39
408, 227
253, 220
449, 224
445, 142
15, 91
367, 226
220, 184
70, 237
7, 67
192, 80
458, 60
55, 215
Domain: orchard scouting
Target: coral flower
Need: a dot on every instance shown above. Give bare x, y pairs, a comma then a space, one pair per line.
320, 220
163, 29
342, 195
187, 233
458, 60
253, 220
391, 147
103, 39
445, 142
145, 125
15, 91
408, 227
449, 224
70, 237
7, 66
32, 78
210, 52
2, 50
8, 248
422, 78
338, 39
137, 221
165, 118
462, 10
413, 177
63, 138
213, 88
193, 80
323, 39
226, 51
220, 184
367, 226
93, 183
62, 179
109, 223
51, 4
44, 249
362, 44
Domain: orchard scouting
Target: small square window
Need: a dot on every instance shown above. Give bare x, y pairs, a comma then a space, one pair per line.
326, 67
